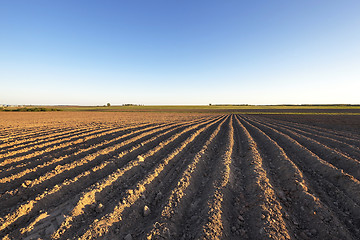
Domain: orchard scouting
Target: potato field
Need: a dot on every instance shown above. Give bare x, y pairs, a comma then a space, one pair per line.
111, 175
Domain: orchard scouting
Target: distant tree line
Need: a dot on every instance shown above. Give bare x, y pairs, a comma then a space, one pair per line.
34, 109
130, 104
210, 104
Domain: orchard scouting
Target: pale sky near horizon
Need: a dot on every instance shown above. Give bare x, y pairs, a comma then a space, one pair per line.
89, 52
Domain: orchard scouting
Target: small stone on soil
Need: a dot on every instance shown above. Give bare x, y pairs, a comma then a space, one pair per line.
147, 211
99, 208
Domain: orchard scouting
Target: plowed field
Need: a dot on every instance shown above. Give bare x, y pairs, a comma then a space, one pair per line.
175, 176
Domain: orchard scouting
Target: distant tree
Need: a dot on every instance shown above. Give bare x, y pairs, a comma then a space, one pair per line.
108, 104
209, 104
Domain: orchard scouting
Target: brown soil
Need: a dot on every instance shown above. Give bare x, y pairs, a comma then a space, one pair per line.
176, 176
350, 123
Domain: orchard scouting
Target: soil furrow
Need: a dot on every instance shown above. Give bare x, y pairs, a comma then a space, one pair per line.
336, 158
33, 143
190, 222
29, 173
48, 137
348, 183
101, 226
338, 145
40, 135
88, 143
122, 175
215, 222
338, 190
76, 167
106, 189
156, 191
334, 134
36, 133
165, 225
82, 179
57, 145
235, 194
262, 210
302, 209
72, 163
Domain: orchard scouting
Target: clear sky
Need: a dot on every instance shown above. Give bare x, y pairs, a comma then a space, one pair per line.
89, 52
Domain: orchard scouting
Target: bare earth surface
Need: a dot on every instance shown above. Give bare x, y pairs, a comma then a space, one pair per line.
81, 175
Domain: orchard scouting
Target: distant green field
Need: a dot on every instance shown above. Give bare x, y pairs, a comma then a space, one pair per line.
243, 109
30, 109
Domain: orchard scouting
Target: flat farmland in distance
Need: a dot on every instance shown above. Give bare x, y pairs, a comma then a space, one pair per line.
227, 109
180, 174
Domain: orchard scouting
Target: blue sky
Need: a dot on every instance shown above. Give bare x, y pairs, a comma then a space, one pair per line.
179, 52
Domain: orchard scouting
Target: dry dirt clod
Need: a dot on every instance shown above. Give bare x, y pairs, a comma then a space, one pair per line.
238, 223
146, 211
313, 231
295, 223
281, 195
99, 208
26, 183
166, 233
158, 196
140, 158
303, 235
128, 237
